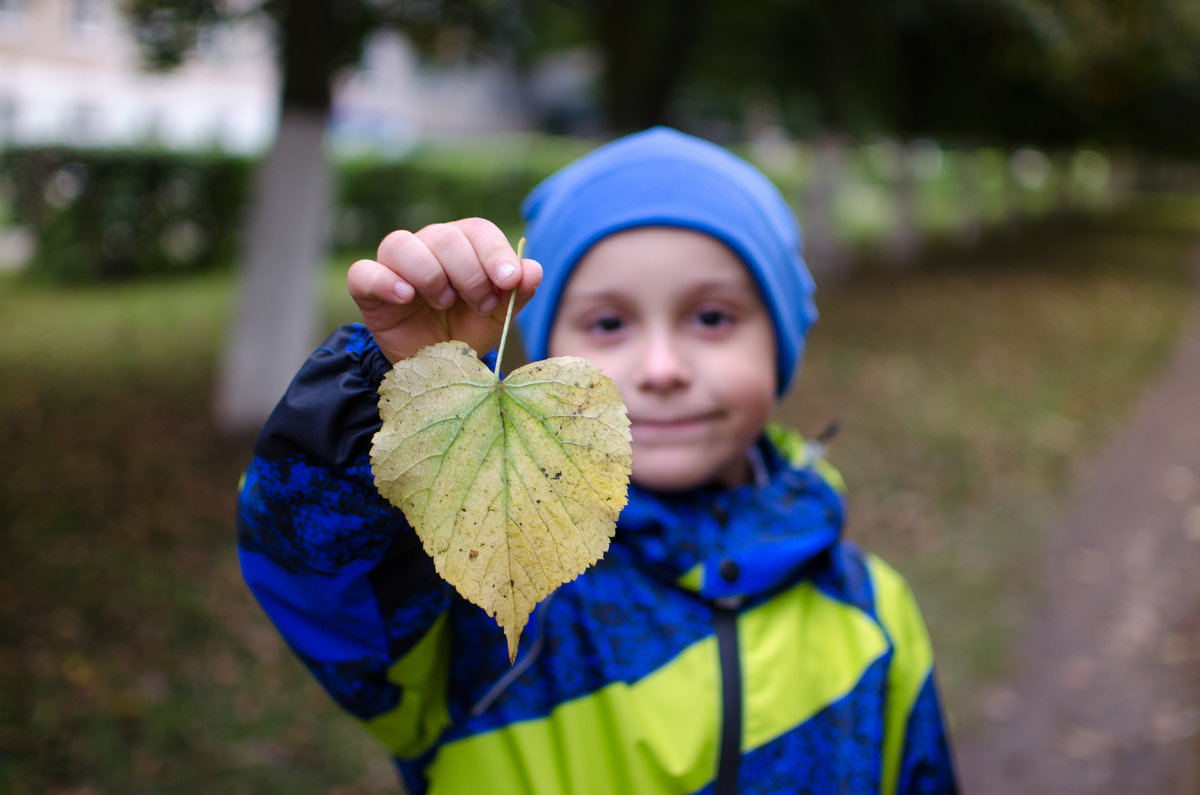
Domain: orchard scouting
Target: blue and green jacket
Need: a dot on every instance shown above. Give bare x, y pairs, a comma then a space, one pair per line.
730, 641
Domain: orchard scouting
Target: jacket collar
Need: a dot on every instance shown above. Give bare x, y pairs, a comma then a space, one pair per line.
738, 543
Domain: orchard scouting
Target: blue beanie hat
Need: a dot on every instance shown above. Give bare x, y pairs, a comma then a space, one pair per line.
662, 177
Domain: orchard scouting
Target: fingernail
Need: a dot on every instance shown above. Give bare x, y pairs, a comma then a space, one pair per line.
489, 305
505, 271
446, 299
404, 291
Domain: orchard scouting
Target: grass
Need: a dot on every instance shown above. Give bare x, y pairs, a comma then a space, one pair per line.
133, 660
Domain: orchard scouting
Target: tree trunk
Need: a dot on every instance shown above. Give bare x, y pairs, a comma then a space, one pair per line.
970, 198
823, 247
904, 240
646, 50
275, 322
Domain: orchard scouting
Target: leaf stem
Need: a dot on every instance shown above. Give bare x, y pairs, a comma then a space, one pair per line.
512, 300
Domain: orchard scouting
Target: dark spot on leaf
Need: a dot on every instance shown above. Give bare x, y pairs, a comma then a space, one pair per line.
474, 553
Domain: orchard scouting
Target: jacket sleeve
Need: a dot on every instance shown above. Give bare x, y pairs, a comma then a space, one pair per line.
336, 567
916, 753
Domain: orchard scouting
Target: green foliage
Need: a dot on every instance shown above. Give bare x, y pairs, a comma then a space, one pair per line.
166, 31
489, 181
1000, 72
102, 216
108, 215
997, 72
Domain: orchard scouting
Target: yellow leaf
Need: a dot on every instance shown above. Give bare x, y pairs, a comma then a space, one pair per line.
513, 486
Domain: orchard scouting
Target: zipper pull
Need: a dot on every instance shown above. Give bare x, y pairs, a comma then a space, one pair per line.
815, 449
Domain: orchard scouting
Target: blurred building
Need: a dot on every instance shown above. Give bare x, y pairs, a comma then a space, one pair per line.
71, 73
392, 101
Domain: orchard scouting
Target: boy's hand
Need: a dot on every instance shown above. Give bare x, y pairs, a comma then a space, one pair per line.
447, 281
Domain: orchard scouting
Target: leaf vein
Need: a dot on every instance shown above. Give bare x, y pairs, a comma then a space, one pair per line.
580, 470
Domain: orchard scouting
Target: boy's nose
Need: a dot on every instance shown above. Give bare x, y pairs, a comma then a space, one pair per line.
663, 365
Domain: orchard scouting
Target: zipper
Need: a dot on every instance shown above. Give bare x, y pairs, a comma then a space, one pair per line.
513, 673
725, 615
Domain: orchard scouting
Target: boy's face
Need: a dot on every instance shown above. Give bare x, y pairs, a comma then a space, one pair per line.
676, 320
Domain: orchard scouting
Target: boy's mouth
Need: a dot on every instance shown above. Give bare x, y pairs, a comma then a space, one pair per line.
650, 429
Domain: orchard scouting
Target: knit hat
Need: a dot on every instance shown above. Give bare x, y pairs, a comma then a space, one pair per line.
662, 177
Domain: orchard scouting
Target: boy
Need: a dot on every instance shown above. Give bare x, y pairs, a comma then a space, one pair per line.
729, 641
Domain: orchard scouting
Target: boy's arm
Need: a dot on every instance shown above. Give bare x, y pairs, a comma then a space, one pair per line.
333, 564
917, 756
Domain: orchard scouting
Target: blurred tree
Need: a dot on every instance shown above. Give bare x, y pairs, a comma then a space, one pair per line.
1140, 81
1007, 72
1124, 72
1116, 73
275, 323
864, 67
645, 49
1120, 72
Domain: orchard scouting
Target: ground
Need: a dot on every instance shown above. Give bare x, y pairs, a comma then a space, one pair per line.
1106, 696
133, 659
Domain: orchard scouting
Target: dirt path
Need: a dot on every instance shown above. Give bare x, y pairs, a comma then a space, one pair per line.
1107, 693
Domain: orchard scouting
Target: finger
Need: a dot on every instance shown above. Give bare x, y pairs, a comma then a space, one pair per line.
461, 265
408, 256
494, 251
531, 277
371, 283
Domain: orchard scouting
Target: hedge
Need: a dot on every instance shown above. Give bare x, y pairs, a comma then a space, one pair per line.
436, 184
107, 215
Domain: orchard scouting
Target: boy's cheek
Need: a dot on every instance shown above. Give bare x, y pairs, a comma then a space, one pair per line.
558, 341
568, 343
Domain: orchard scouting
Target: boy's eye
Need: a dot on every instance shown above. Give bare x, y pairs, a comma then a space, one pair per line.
712, 318
608, 324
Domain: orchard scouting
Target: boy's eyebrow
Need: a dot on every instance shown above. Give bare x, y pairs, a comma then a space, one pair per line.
713, 285
597, 295
742, 282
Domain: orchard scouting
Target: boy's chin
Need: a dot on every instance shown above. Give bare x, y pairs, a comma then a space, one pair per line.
665, 485
671, 476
